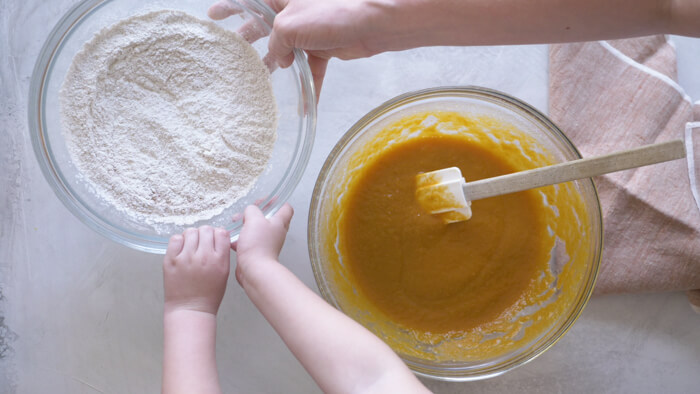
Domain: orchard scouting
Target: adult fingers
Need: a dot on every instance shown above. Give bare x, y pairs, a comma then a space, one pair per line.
174, 246
270, 62
318, 66
206, 239
281, 43
277, 5
252, 30
191, 236
223, 9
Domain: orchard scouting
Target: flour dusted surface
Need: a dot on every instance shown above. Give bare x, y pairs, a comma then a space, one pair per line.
169, 118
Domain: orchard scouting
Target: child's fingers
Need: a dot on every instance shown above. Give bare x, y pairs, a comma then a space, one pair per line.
267, 204
191, 240
252, 213
174, 246
234, 246
206, 239
222, 242
284, 215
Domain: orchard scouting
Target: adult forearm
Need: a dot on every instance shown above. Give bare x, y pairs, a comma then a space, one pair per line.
684, 17
413, 23
189, 352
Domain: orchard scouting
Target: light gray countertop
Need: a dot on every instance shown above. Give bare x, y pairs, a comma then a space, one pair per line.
83, 314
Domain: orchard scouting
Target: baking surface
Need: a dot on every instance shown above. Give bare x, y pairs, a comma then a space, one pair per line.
81, 314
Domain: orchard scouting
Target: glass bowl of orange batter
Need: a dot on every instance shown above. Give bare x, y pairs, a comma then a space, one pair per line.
466, 300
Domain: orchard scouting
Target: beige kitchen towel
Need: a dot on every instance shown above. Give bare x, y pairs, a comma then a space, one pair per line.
614, 95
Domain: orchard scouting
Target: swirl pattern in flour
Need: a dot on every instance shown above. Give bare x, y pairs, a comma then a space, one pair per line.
170, 118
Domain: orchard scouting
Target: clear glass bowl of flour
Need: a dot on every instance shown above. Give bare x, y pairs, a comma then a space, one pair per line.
292, 88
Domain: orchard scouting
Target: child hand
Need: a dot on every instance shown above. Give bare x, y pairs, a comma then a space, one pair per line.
261, 239
195, 269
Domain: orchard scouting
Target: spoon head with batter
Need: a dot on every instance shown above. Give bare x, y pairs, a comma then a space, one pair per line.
440, 193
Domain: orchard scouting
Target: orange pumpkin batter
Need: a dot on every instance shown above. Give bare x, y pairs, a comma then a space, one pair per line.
472, 290
428, 275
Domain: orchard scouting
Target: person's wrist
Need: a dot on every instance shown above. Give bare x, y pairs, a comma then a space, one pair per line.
250, 270
383, 20
176, 313
183, 306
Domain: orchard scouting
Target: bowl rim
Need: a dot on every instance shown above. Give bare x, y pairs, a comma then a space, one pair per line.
400, 101
42, 147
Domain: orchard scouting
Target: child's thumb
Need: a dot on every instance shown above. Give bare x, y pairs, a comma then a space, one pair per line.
284, 215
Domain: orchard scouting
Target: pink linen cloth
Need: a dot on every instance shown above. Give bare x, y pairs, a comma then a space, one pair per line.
613, 95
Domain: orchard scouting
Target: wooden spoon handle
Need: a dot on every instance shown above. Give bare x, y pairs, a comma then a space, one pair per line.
575, 169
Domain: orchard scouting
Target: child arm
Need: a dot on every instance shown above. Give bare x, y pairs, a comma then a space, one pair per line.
195, 270
339, 354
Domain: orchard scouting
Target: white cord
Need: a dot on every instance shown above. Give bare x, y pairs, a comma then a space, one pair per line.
690, 157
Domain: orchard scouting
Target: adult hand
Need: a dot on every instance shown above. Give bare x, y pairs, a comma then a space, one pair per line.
346, 29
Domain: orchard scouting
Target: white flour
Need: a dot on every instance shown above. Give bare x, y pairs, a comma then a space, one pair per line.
169, 117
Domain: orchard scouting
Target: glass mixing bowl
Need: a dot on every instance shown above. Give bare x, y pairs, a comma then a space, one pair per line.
539, 324
293, 89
